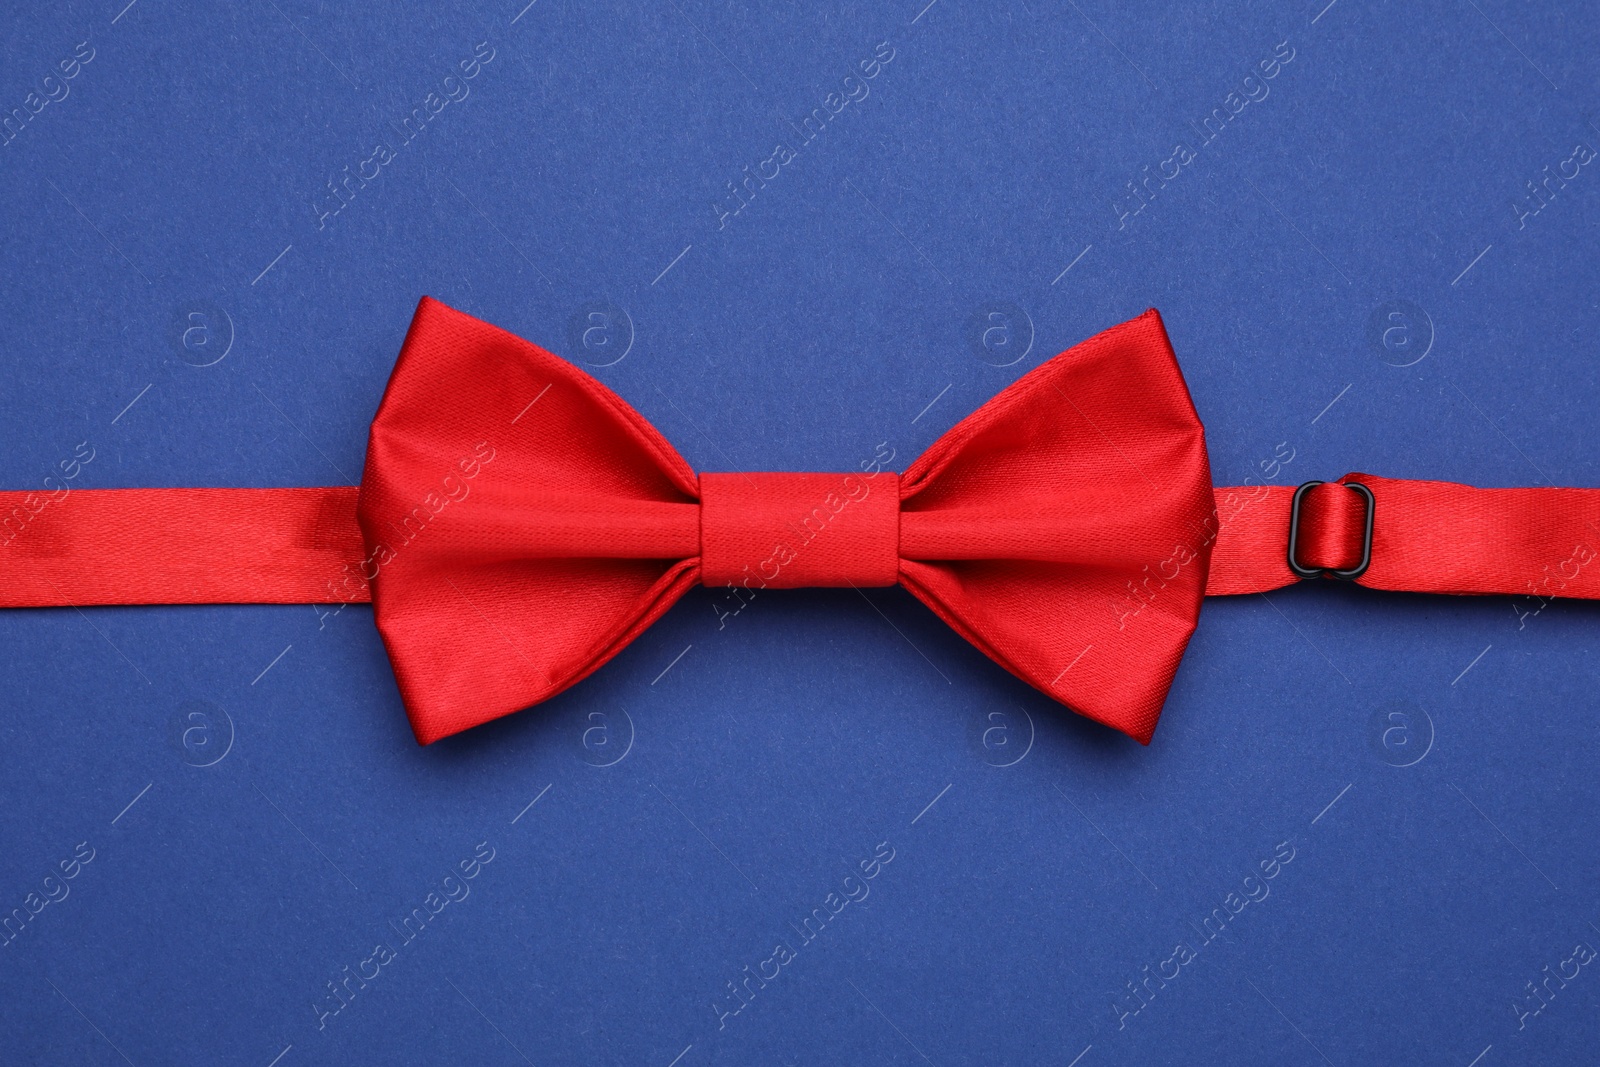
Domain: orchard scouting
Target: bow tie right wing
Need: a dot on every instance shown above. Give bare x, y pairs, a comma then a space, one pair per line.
1065, 527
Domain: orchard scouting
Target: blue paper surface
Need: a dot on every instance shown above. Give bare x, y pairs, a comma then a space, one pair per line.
792, 235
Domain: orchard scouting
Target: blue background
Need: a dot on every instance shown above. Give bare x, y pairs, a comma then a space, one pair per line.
1431, 761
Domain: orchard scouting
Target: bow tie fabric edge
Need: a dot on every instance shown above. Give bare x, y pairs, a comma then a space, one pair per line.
518, 524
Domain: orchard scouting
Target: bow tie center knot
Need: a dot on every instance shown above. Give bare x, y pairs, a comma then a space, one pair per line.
786, 531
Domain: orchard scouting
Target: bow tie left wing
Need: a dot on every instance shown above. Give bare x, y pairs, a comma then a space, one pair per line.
1065, 527
523, 523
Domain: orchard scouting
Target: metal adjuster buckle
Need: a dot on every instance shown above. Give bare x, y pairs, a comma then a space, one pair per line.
1366, 542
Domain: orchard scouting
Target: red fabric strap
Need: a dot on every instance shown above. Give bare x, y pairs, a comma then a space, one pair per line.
1427, 537
180, 546
298, 546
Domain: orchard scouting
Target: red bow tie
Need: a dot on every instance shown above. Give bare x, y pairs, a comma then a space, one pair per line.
519, 524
